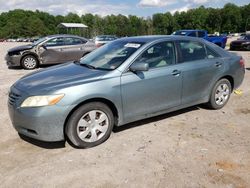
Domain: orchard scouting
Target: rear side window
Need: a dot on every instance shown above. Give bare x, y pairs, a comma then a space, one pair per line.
201, 34
211, 54
73, 41
191, 51
192, 34
158, 55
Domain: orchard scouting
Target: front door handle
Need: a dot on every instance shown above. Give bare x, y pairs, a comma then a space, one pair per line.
218, 64
176, 72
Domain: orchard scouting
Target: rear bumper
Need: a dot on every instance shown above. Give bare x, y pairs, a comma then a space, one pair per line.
239, 77
13, 61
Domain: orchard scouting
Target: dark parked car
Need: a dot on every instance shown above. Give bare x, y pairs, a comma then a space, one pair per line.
241, 44
123, 81
49, 50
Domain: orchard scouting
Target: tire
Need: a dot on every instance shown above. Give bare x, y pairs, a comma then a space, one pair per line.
90, 125
220, 94
29, 62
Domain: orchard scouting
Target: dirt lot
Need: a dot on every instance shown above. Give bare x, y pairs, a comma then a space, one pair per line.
194, 147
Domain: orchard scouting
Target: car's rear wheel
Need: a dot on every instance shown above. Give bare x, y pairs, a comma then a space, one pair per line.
90, 125
29, 62
220, 94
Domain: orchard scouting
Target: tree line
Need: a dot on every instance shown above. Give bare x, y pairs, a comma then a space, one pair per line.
229, 19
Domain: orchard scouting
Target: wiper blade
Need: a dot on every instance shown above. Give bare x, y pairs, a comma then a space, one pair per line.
87, 65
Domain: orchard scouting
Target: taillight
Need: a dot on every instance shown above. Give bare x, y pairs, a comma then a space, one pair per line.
242, 63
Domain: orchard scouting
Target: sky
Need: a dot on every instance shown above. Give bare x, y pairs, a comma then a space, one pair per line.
142, 8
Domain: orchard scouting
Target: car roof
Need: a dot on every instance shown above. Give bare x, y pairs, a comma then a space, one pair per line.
151, 38
63, 35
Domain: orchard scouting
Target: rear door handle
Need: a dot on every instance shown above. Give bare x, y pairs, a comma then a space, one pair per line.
176, 72
218, 64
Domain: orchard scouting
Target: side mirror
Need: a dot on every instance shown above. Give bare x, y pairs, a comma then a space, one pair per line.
139, 67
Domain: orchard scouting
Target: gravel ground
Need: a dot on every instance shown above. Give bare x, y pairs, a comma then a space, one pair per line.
194, 147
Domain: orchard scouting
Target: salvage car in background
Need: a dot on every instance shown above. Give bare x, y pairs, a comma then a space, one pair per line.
125, 80
241, 44
52, 49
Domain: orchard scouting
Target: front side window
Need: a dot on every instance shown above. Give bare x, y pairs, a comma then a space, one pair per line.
158, 55
55, 42
191, 51
111, 55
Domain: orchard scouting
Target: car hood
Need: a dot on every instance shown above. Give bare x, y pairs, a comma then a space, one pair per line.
21, 48
57, 77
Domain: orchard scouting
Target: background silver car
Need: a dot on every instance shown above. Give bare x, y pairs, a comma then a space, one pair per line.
52, 49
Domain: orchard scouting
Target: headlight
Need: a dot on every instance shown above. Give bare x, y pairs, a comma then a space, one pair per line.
43, 100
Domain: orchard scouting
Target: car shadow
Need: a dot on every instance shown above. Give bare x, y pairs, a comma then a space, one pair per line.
156, 118
42, 144
248, 68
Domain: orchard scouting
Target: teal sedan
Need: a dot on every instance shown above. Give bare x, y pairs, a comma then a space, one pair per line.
126, 80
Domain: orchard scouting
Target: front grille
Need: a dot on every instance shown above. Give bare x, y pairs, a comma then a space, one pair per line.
13, 97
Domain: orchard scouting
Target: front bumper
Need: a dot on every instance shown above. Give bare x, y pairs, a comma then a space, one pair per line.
13, 61
41, 123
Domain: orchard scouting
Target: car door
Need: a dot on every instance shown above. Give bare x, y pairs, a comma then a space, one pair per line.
199, 70
159, 88
73, 49
51, 52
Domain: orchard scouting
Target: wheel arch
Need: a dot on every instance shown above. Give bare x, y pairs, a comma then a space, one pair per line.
230, 79
107, 102
32, 54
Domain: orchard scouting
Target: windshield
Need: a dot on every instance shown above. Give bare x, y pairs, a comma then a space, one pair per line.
111, 55
39, 41
247, 37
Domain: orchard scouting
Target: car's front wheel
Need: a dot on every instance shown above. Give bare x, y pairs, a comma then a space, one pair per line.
29, 62
90, 125
220, 94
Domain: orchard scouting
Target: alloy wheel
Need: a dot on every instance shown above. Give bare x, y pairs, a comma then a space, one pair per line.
222, 94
